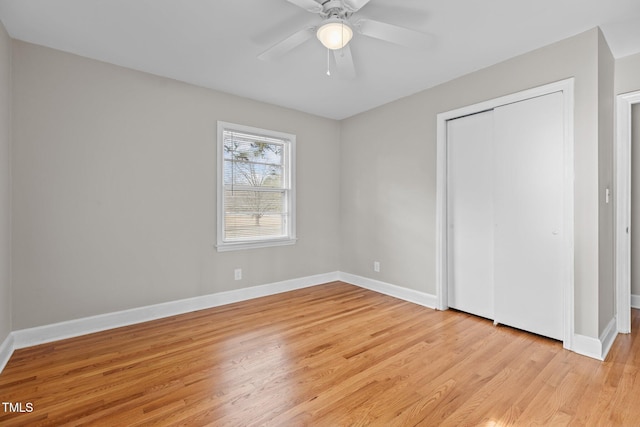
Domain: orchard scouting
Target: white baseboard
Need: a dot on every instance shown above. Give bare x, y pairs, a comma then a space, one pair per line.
6, 350
596, 348
410, 295
87, 325
587, 346
591, 347
608, 337
635, 301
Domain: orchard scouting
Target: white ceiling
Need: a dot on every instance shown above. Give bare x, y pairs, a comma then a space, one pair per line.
215, 43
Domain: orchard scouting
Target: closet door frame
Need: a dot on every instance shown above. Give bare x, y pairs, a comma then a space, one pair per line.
567, 89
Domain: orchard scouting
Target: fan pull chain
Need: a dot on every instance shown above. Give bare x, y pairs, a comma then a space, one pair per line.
328, 63
342, 42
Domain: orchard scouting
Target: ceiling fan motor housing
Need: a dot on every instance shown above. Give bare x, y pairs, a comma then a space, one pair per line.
335, 9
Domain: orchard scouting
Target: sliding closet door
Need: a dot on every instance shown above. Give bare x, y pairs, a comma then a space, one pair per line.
528, 198
470, 213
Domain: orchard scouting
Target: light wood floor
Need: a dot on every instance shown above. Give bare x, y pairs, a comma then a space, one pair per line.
330, 355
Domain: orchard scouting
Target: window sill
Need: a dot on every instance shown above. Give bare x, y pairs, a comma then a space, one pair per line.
226, 247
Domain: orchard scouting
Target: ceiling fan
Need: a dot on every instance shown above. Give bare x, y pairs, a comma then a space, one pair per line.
337, 28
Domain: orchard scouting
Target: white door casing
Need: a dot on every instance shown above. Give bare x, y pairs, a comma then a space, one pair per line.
567, 224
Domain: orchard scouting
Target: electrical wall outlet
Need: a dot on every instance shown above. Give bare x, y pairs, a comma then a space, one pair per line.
376, 266
237, 274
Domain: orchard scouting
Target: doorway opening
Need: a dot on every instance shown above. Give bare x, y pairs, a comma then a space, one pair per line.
624, 107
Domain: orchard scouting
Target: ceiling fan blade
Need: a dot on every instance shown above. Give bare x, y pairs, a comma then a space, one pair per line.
293, 41
308, 5
344, 62
355, 5
394, 34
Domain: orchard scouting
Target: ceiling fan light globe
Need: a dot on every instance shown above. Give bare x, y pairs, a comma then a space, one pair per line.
334, 34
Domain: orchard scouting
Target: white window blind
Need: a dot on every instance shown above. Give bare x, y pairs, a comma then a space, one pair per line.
255, 197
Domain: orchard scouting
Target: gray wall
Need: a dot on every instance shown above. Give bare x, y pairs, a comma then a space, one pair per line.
627, 74
635, 198
114, 183
389, 171
5, 184
606, 233
114, 190
628, 80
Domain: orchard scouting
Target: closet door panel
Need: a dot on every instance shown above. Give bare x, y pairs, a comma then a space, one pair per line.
470, 213
528, 197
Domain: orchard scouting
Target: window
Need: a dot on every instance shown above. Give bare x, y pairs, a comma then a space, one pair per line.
256, 198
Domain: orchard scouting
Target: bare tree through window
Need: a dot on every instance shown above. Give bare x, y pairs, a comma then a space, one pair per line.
254, 196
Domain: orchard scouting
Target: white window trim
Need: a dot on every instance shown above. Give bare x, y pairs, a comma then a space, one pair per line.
223, 246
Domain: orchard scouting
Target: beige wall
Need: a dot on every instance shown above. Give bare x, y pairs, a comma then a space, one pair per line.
389, 171
114, 190
5, 184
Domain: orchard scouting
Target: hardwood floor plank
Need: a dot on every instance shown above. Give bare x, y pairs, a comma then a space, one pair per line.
333, 355
488, 399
